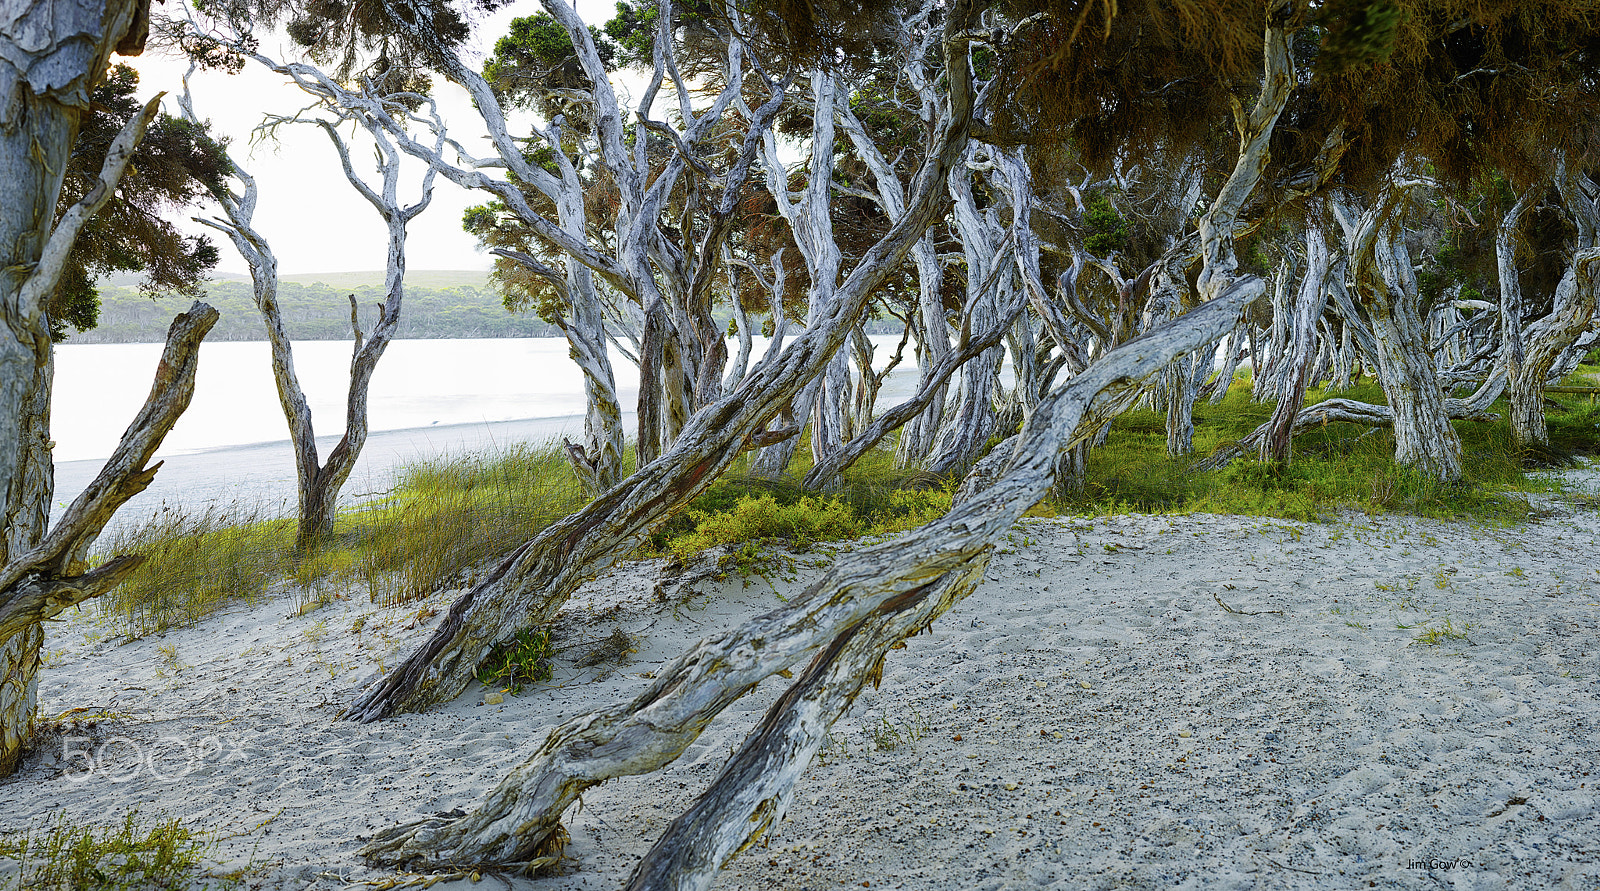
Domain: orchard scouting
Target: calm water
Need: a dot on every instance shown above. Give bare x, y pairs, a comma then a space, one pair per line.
419, 383
428, 397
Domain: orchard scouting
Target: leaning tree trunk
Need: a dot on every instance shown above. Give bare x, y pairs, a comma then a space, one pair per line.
1295, 366
534, 581
1572, 309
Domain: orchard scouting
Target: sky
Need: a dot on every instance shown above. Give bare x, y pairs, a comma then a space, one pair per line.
312, 217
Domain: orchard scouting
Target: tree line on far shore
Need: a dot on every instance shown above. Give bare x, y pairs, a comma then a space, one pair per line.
313, 312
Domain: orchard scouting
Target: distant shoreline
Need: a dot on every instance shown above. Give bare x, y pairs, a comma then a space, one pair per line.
260, 476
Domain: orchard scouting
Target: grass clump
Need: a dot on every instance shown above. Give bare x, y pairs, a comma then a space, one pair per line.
195, 563
518, 662
131, 855
447, 516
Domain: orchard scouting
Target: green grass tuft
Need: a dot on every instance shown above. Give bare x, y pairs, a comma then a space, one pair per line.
195, 563
522, 660
164, 855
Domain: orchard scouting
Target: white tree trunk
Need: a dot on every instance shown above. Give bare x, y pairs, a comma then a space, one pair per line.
1296, 365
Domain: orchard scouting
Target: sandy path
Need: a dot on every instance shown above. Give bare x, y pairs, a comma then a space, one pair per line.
1091, 717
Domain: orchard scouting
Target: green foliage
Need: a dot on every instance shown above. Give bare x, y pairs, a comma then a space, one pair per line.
1336, 467
1107, 230
756, 512
518, 662
1357, 33
163, 855
176, 165
536, 57
633, 32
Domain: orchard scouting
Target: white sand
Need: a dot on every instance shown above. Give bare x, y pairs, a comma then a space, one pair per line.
1090, 718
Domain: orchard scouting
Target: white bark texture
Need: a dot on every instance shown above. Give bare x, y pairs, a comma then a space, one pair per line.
1528, 363
1295, 369
36, 584
1380, 276
867, 601
51, 56
318, 482
532, 583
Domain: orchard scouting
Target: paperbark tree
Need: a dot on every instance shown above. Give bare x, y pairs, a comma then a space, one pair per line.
1529, 355
533, 582
318, 482
1381, 276
1296, 370
51, 57
865, 603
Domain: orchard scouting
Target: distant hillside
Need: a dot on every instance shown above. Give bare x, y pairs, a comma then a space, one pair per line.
425, 278
419, 278
437, 305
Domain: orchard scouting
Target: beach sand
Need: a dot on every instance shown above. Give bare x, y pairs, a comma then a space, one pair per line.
1129, 702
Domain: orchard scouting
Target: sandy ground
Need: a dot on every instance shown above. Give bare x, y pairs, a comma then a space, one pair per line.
1128, 702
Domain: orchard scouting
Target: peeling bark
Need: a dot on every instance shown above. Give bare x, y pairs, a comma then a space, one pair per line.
872, 595
1296, 365
39, 582
51, 56
533, 581
1529, 356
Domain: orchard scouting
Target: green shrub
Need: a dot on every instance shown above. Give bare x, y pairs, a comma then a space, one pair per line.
522, 660
762, 519
164, 855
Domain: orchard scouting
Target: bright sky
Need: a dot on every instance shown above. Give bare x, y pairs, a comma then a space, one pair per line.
313, 219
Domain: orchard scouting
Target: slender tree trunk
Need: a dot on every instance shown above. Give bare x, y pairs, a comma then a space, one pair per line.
1296, 365
933, 344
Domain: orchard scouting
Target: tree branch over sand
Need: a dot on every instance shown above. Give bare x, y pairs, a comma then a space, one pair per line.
42, 582
868, 601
